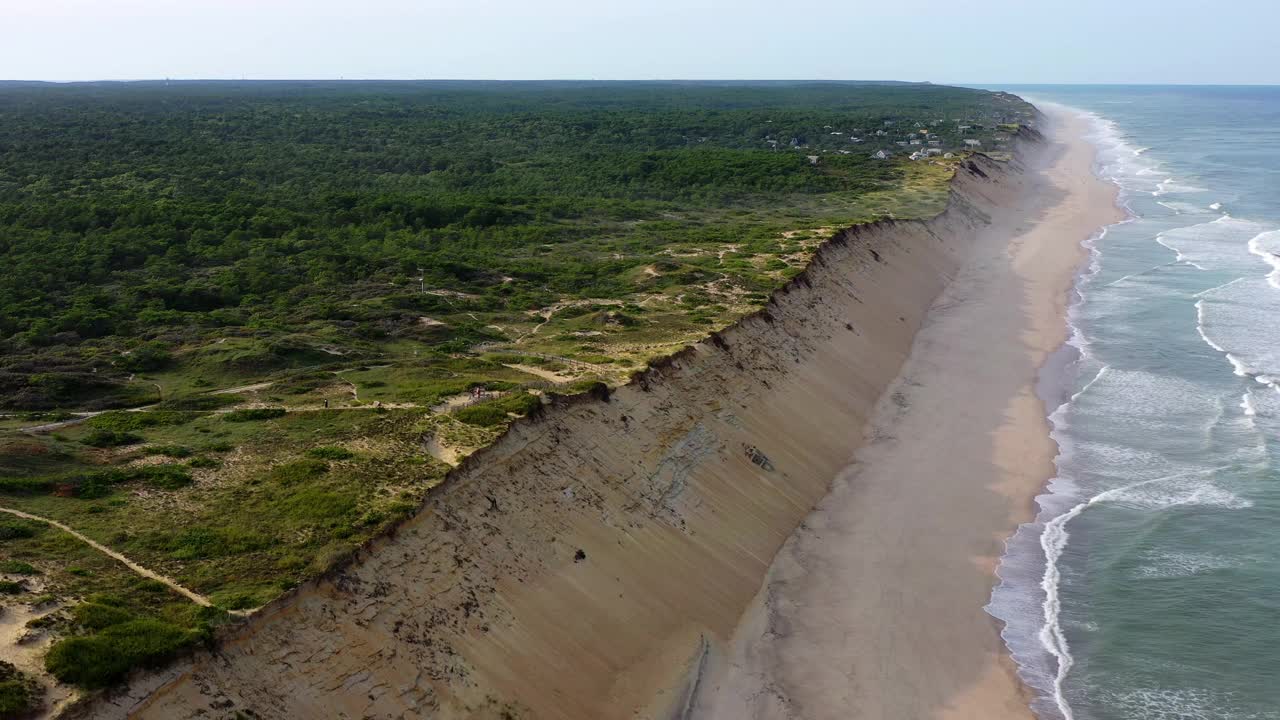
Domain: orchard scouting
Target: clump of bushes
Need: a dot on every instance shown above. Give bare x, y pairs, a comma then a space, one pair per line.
173, 451
295, 472
251, 414
105, 657
16, 529
19, 692
497, 412
8, 587
122, 421
17, 567
100, 438
330, 452
94, 485
200, 402
207, 542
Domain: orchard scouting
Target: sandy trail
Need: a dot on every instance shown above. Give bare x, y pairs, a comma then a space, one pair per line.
874, 607
189, 594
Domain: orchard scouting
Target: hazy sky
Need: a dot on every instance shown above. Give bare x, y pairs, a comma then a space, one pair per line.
1004, 41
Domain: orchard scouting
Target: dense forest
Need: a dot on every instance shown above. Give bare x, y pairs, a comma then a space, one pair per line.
170, 212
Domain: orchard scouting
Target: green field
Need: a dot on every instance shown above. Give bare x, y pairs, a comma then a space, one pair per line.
259, 321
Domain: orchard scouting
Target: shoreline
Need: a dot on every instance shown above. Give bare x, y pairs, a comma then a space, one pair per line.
874, 608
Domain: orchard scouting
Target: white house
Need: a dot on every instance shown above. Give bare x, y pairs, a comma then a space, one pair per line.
881, 155
973, 143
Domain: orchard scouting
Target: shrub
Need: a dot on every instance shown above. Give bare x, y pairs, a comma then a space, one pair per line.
164, 477
8, 587
495, 412
251, 414
17, 567
205, 542
330, 452
316, 505
96, 661
173, 451
97, 616
200, 402
17, 529
19, 693
295, 472
204, 462
26, 484
122, 421
110, 438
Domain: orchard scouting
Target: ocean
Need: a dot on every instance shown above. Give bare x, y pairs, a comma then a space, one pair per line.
1148, 588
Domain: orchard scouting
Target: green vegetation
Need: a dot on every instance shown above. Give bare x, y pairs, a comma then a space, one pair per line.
252, 414
258, 322
101, 658
497, 412
19, 692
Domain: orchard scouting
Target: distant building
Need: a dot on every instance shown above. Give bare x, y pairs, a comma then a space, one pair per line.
935, 143
914, 141
973, 143
813, 159
881, 155
948, 156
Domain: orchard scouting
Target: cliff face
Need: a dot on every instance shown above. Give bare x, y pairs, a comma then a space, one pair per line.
586, 564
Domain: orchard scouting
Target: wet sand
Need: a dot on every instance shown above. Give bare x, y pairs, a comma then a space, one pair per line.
874, 606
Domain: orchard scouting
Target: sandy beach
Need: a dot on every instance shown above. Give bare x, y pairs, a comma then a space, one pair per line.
874, 607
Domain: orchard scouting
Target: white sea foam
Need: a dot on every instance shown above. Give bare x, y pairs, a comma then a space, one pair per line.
1266, 245
1156, 493
1171, 186
1165, 564
1219, 244
1216, 206
1241, 319
1246, 404
1172, 704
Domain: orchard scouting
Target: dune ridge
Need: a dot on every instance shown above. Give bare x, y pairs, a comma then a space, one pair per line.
596, 558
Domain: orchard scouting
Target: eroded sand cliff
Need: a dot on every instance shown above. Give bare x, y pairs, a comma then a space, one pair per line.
591, 562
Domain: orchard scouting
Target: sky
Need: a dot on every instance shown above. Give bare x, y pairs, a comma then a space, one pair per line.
945, 41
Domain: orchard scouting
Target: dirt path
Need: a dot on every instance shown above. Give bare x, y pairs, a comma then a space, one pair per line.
190, 595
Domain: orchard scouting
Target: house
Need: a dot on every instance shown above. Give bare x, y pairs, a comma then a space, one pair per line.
973, 143
914, 141
916, 155
881, 133
933, 151
813, 159
881, 155
965, 128
935, 143
948, 156
902, 143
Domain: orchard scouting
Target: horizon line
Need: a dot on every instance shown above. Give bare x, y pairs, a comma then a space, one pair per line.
625, 80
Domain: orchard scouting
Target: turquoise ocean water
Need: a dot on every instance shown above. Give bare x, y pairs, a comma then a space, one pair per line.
1149, 586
